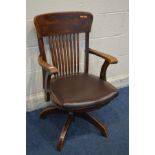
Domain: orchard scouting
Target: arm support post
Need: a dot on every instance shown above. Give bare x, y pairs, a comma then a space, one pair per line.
108, 60
48, 70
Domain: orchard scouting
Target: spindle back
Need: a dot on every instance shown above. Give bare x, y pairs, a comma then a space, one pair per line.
62, 30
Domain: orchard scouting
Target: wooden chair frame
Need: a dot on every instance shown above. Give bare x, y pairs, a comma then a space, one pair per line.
54, 24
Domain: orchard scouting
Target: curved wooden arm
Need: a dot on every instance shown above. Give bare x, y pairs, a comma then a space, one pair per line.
49, 68
110, 59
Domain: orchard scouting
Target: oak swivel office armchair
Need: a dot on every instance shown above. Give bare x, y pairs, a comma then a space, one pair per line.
72, 92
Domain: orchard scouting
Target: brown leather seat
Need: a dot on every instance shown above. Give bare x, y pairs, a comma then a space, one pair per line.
82, 91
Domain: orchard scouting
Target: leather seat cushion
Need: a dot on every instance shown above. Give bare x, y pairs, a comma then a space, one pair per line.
82, 91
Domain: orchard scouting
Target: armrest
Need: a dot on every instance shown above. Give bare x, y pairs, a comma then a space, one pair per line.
110, 59
49, 68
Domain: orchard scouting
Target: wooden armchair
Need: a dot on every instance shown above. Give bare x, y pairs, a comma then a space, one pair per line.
72, 92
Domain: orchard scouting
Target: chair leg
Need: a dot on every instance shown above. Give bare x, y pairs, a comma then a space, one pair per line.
47, 96
49, 110
64, 132
95, 122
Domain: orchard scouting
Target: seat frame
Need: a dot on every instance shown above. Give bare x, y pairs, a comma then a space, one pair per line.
54, 23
